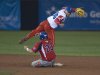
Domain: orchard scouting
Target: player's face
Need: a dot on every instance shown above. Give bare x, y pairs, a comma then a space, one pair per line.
67, 14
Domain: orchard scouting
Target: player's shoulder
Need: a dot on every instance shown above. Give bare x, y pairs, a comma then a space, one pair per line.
62, 12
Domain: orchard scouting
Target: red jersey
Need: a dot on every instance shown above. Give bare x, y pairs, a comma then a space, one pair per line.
45, 48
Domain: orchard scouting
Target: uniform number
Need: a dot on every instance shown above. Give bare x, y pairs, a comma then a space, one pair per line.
48, 48
55, 15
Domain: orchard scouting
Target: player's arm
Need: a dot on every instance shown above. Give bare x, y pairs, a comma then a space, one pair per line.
28, 36
28, 49
34, 49
79, 11
73, 9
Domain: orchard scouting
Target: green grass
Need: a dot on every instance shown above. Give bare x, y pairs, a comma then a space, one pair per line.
3, 72
82, 43
70, 43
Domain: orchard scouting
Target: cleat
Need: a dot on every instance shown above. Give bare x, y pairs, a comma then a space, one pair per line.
58, 64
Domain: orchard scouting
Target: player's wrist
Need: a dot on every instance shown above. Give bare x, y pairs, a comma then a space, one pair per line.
28, 50
73, 9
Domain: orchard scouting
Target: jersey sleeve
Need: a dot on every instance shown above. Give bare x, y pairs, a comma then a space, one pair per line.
36, 47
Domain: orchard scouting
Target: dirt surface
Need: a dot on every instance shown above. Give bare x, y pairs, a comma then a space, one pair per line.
20, 65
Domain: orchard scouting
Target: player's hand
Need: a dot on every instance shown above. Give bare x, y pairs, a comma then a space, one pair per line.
23, 40
27, 49
61, 25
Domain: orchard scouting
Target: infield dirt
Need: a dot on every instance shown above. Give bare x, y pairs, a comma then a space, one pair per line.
20, 65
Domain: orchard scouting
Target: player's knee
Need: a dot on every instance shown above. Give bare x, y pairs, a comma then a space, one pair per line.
35, 64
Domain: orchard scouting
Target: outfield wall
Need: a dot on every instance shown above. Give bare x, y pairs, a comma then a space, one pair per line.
18, 14
10, 15
27, 14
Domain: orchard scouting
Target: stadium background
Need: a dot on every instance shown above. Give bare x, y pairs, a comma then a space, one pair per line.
77, 44
27, 14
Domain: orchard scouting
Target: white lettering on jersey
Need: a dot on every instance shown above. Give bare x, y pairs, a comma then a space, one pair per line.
55, 16
43, 52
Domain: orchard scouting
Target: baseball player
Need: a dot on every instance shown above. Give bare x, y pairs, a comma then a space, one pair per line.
53, 22
45, 48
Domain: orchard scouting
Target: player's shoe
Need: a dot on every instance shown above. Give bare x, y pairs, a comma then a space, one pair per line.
58, 64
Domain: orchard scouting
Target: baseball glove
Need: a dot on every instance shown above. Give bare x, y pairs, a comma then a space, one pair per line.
80, 12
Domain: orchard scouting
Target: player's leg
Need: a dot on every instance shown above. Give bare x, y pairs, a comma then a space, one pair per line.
51, 36
36, 63
44, 26
37, 30
47, 63
33, 32
50, 31
41, 63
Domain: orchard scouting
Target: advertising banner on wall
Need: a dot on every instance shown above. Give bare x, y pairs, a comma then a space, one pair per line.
9, 14
91, 20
